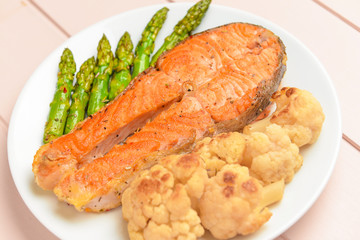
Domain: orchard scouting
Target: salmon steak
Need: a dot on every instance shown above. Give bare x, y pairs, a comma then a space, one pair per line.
215, 81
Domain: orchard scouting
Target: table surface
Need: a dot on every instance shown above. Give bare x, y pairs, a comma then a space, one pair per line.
32, 29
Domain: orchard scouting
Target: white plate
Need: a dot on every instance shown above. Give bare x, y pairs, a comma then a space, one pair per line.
32, 107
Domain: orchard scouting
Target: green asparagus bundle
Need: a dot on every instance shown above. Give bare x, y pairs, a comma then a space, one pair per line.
81, 95
123, 60
59, 107
147, 43
103, 69
183, 28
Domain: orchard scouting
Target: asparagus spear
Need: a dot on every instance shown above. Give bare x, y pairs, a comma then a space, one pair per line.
123, 61
80, 97
147, 43
183, 28
60, 105
103, 69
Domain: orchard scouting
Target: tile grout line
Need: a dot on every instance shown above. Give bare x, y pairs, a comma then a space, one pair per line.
344, 19
42, 11
282, 237
351, 142
2, 120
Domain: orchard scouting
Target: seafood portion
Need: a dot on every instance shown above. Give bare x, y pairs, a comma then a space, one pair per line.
215, 81
144, 99
98, 185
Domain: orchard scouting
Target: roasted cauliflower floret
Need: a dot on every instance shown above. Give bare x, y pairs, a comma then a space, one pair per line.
235, 203
189, 170
247, 171
271, 156
225, 148
298, 112
158, 203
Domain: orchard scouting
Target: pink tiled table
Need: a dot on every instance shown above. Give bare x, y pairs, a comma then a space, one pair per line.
31, 29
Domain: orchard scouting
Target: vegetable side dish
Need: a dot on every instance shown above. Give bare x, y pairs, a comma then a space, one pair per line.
226, 183
112, 73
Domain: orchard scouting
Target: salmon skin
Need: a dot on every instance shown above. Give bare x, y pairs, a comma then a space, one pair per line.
212, 82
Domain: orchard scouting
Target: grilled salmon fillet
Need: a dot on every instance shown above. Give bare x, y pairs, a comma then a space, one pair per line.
215, 81
147, 96
98, 185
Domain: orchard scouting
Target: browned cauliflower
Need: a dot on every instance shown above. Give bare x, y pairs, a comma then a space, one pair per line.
235, 203
271, 156
188, 170
298, 112
247, 173
225, 148
157, 205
